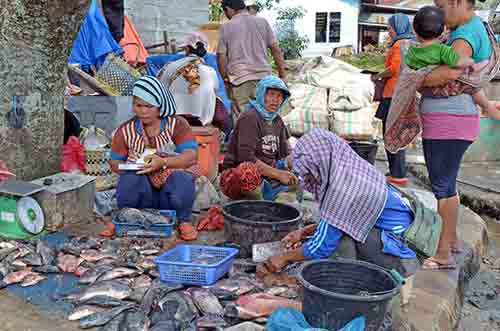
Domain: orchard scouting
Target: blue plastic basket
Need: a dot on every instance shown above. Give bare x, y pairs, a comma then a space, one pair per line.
161, 230
183, 265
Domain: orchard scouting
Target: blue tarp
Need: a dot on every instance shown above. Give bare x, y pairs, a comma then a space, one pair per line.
94, 40
56, 286
156, 62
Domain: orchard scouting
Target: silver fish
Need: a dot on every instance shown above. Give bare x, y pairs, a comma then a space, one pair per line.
4, 252
4, 270
135, 320
184, 312
83, 311
91, 276
19, 265
17, 276
93, 255
114, 324
102, 318
118, 273
167, 325
206, 302
32, 279
47, 254
33, 260
113, 289
141, 281
211, 321
103, 301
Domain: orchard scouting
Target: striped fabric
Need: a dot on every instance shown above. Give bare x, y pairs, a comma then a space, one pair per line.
151, 90
136, 142
351, 192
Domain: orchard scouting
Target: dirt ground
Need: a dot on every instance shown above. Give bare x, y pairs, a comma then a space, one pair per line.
481, 311
19, 315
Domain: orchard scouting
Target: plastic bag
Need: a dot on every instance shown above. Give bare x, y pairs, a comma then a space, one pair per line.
95, 139
73, 156
289, 319
5, 174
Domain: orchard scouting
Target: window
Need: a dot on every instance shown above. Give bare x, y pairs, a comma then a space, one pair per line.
328, 27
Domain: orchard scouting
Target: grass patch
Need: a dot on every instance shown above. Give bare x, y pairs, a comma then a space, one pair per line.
374, 61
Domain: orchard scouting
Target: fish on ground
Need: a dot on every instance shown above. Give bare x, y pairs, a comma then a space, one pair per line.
103, 301
68, 263
83, 311
17, 276
141, 281
32, 279
118, 273
135, 320
211, 321
114, 289
91, 276
47, 254
102, 318
206, 302
114, 324
93, 255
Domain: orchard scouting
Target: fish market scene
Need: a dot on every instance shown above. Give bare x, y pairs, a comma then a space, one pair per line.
250, 165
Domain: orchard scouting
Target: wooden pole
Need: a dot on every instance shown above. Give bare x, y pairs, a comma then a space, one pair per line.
165, 40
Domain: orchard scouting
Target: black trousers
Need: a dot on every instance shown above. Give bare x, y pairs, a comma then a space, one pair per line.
397, 162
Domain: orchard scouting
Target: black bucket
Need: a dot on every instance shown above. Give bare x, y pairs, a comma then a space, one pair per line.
367, 150
255, 222
337, 291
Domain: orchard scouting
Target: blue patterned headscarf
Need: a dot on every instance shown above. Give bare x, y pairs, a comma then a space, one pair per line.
151, 90
259, 103
402, 26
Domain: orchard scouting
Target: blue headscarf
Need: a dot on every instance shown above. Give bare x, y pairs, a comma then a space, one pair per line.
402, 26
151, 90
260, 104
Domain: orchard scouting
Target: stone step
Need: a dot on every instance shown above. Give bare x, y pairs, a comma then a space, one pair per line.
436, 297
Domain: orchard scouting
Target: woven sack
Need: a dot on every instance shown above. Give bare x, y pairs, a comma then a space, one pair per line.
117, 76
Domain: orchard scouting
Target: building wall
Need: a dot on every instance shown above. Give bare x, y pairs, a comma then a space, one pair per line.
349, 10
177, 17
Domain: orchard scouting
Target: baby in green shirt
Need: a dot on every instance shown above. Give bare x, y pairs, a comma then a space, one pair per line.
429, 26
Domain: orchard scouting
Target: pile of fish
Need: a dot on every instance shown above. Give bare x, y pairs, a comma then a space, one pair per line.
121, 289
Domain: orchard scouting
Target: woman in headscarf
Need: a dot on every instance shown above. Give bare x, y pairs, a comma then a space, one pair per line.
361, 214
194, 85
258, 148
167, 181
401, 33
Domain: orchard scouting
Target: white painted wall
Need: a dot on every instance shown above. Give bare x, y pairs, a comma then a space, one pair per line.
307, 25
178, 17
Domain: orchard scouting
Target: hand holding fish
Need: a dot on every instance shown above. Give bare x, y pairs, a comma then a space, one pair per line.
276, 263
293, 239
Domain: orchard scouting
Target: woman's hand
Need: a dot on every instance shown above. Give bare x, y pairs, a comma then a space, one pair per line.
276, 263
287, 178
133, 157
153, 163
293, 239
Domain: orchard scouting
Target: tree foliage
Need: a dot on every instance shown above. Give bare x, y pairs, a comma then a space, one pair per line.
291, 42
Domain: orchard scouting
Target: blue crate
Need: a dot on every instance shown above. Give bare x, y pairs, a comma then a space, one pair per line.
163, 230
179, 266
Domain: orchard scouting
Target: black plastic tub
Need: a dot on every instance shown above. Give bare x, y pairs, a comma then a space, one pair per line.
367, 150
255, 222
337, 291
